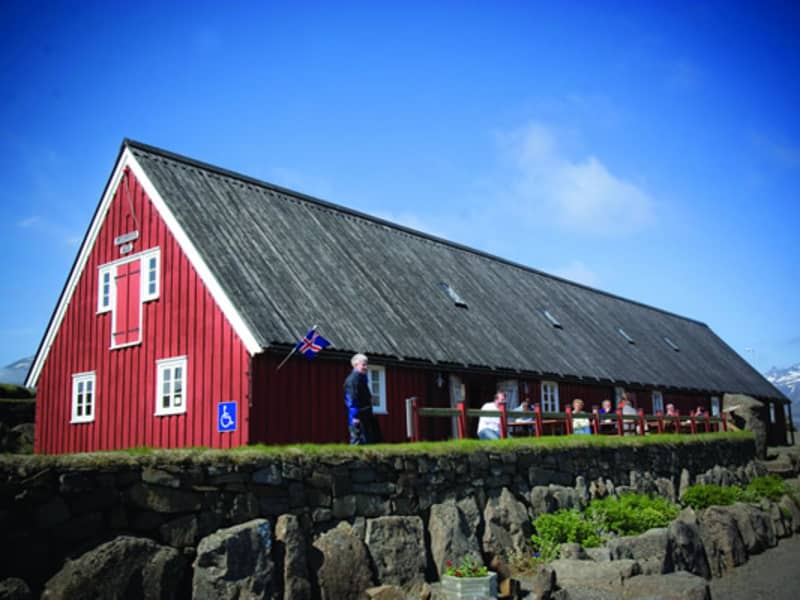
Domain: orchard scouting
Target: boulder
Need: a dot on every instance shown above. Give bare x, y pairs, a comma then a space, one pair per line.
723, 542
673, 586
125, 567
651, 549
291, 556
755, 527
749, 414
341, 563
397, 548
589, 574
235, 562
507, 525
789, 507
385, 592
544, 583
14, 588
781, 525
686, 545
573, 551
451, 536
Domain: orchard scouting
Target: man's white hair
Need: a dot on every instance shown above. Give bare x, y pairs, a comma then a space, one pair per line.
358, 358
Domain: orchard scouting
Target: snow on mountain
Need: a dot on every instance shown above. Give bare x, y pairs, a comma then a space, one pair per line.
788, 381
16, 372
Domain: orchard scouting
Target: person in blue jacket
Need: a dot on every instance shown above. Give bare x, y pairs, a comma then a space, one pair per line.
358, 399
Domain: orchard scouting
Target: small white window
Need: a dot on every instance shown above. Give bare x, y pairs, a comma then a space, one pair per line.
150, 277
715, 406
83, 395
555, 322
510, 387
171, 388
105, 289
619, 392
658, 402
771, 412
550, 396
628, 338
377, 387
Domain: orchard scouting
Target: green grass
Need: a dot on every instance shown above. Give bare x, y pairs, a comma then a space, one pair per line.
254, 453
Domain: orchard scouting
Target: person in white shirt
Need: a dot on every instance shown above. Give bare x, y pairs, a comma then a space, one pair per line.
489, 427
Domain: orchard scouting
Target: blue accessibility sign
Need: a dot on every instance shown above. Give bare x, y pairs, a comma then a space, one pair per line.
226, 416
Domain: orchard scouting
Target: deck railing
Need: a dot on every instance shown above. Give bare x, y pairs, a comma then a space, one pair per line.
537, 423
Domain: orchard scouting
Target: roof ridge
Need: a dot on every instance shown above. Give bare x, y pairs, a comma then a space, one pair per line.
379, 221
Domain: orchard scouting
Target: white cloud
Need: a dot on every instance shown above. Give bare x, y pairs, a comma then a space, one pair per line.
29, 222
580, 195
578, 272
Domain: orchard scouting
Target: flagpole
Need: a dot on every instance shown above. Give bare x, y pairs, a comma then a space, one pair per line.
294, 349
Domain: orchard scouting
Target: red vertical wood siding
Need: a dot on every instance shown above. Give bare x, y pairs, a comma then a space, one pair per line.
183, 321
304, 401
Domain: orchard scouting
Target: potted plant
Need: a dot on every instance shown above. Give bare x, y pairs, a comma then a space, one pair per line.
468, 580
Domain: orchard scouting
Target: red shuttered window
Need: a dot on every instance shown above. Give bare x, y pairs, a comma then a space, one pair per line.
123, 286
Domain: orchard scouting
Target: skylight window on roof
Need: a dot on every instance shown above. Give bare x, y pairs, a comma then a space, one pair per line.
555, 322
672, 344
452, 294
628, 338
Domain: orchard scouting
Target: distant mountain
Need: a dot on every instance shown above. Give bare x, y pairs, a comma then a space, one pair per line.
788, 381
16, 372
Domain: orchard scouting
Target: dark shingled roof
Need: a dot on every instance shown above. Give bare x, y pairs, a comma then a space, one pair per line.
287, 261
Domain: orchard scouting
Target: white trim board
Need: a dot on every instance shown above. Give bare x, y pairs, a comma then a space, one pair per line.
127, 159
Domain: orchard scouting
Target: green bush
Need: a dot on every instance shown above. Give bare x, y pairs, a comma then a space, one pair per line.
768, 486
703, 495
631, 514
554, 529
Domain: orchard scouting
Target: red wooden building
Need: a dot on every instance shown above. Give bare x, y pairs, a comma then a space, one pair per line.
193, 282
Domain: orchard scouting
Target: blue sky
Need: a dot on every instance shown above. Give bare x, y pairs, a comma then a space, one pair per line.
651, 150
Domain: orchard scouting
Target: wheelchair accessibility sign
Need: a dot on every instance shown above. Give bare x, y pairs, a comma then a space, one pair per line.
226, 417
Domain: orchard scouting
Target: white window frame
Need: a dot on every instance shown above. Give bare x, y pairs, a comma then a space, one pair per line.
376, 377
715, 406
619, 391
772, 417
658, 402
549, 397
510, 387
171, 364
105, 304
146, 257
84, 395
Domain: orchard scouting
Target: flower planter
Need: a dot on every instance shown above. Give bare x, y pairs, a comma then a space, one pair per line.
470, 588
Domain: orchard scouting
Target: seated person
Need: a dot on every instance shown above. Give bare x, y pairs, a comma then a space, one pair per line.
579, 424
607, 409
489, 427
522, 425
629, 425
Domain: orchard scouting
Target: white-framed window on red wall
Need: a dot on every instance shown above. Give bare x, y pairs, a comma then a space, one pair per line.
83, 397
171, 389
550, 396
377, 387
123, 286
658, 402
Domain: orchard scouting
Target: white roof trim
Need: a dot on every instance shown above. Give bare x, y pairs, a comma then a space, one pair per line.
127, 159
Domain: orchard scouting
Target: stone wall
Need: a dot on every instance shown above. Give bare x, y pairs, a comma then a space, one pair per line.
52, 508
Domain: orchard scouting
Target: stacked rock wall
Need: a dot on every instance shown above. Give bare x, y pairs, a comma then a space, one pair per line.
53, 508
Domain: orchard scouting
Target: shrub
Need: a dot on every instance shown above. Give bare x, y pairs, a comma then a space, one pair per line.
768, 486
554, 529
703, 495
632, 514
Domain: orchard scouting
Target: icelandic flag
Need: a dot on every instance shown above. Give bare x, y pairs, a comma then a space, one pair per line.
311, 344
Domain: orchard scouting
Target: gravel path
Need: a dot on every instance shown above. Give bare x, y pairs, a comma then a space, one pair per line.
771, 575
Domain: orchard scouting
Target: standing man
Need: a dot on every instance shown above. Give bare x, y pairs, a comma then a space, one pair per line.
358, 399
489, 427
